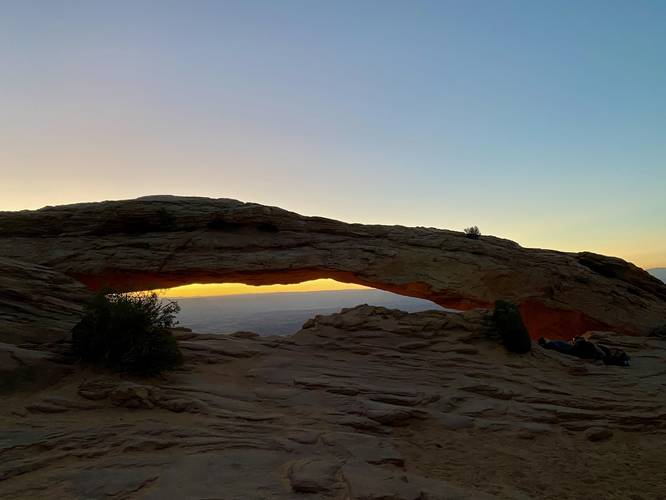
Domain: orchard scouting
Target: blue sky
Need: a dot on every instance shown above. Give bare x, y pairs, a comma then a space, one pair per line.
540, 122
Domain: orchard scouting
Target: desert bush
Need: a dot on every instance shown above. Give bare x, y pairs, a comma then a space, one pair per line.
128, 332
472, 232
510, 326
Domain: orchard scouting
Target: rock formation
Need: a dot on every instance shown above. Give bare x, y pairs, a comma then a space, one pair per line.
163, 241
367, 404
37, 304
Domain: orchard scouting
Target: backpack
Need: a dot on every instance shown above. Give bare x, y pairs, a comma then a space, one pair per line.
615, 357
586, 349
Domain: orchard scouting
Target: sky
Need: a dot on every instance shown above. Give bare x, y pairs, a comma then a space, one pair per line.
218, 289
542, 122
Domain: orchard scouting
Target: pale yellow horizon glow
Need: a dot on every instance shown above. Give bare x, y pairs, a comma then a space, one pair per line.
221, 289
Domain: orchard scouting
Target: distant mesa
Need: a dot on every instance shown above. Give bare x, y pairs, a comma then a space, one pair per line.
166, 241
659, 272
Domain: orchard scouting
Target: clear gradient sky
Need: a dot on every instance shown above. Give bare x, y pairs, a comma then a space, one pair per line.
543, 122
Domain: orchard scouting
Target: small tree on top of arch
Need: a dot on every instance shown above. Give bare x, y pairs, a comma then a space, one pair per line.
473, 232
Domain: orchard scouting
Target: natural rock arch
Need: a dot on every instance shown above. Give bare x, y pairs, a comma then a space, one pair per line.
164, 241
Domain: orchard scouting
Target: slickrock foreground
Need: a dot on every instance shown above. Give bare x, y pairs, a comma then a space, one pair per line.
367, 404
159, 242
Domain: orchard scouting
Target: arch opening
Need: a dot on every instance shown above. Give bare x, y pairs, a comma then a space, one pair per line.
278, 309
540, 320
131, 281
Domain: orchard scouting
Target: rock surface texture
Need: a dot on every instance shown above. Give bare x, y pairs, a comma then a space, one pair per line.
162, 241
370, 403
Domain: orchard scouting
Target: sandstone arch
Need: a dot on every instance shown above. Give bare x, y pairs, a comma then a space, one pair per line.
165, 241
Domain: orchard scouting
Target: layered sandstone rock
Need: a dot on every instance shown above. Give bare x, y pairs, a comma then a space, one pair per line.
366, 404
164, 241
37, 304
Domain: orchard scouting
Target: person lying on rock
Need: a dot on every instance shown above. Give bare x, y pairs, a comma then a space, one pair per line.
583, 348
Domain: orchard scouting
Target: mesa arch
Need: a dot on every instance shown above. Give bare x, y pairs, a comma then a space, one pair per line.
165, 241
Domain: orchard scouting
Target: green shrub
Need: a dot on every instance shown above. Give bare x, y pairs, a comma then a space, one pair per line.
128, 332
472, 232
509, 324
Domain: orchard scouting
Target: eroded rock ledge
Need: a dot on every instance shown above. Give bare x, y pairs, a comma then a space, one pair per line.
163, 241
366, 404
